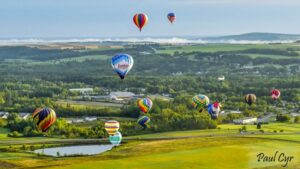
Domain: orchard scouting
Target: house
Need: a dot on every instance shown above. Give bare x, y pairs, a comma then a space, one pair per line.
121, 95
221, 78
247, 120
82, 90
235, 112
90, 119
4, 115
24, 116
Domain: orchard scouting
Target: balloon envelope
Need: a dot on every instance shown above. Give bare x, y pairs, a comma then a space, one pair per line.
145, 105
140, 20
275, 94
112, 126
143, 121
44, 118
116, 139
122, 64
171, 17
200, 102
250, 99
214, 110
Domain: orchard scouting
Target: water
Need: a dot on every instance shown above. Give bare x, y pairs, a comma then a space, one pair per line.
75, 150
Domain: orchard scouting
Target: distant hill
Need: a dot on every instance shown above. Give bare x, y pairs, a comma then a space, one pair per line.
258, 37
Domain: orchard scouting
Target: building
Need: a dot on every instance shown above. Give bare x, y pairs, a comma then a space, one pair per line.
90, 119
121, 95
24, 116
247, 120
235, 112
221, 78
4, 115
82, 90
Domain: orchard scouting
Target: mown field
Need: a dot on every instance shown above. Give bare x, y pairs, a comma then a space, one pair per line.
213, 149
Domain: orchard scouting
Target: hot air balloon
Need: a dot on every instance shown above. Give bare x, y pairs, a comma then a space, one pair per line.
116, 139
250, 99
145, 105
214, 110
112, 126
143, 121
44, 118
275, 94
140, 20
122, 64
200, 102
171, 17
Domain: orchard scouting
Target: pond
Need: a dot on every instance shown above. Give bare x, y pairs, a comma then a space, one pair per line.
75, 150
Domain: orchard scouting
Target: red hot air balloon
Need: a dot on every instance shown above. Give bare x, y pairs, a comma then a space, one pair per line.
275, 94
140, 20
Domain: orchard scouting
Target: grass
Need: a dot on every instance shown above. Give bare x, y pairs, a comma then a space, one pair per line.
214, 149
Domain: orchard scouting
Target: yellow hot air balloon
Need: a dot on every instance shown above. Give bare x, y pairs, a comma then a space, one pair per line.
112, 126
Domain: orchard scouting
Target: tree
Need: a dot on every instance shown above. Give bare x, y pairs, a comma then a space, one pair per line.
297, 119
258, 126
283, 118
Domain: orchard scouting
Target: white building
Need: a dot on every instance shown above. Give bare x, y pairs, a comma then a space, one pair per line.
82, 90
235, 112
221, 78
24, 116
90, 119
121, 95
247, 120
4, 115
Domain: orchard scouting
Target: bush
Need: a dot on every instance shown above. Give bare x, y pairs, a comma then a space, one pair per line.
14, 134
262, 131
283, 118
281, 131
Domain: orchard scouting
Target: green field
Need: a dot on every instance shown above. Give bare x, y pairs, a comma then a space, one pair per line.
213, 149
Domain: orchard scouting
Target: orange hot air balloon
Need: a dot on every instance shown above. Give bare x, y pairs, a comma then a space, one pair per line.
140, 20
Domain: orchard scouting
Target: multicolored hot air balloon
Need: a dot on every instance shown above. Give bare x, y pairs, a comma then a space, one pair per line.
275, 94
214, 110
122, 64
44, 118
171, 17
140, 20
143, 121
250, 99
145, 105
112, 126
200, 102
116, 139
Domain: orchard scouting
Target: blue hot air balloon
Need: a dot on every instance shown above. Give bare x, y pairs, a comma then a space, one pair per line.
143, 121
122, 64
116, 139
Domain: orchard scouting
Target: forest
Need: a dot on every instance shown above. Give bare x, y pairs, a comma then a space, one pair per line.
33, 77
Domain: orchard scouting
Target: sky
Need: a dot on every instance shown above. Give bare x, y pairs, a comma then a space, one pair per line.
113, 18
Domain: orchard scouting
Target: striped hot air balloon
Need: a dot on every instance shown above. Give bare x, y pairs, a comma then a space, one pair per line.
112, 126
200, 102
250, 99
171, 17
116, 139
44, 118
140, 20
143, 121
145, 105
